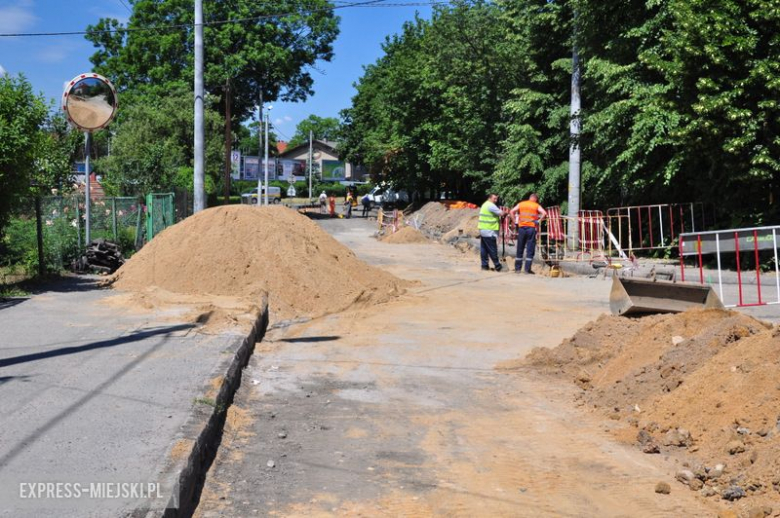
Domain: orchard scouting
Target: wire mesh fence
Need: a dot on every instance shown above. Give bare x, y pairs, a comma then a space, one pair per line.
128, 221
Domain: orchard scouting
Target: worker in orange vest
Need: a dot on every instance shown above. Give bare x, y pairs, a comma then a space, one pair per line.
528, 214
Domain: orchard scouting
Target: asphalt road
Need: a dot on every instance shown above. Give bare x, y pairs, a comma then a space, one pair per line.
91, 394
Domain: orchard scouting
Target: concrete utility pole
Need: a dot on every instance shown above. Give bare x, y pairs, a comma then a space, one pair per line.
259, 147
267, 116
200, 192
574, 150
311, 159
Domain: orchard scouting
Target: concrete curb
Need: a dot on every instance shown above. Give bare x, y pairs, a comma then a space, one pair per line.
202, 433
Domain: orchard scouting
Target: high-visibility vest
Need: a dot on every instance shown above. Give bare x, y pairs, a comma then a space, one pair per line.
487, 220
527, 213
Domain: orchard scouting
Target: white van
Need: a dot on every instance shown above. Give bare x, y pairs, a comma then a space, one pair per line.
274, 195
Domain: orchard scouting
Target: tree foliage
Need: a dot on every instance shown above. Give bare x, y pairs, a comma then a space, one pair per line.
679, 102
322, 128
24, 145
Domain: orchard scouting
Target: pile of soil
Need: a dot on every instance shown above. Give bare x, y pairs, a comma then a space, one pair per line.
251, 252
703, 384
407, 235
440, 222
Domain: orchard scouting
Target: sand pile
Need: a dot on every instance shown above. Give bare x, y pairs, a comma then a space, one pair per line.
407, 235
439, 222
703, 384
248, 252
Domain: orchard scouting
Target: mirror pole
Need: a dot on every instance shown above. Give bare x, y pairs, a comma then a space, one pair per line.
87, 204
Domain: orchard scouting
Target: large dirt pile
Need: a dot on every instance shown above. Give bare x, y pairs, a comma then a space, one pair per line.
248, 252
441, 222
407, 235
703, 384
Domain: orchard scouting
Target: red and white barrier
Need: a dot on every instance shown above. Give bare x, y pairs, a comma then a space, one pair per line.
744, 243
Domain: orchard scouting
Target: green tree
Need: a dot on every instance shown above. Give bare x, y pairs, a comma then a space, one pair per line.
264, 55
22, 115
323, 128
152, 146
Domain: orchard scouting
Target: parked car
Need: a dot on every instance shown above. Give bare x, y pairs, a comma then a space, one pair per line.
274, 195
385, 195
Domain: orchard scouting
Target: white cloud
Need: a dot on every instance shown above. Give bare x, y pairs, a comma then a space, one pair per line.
17, 17
57, 52
287, 118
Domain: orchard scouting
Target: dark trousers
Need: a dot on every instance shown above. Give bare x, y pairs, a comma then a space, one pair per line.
366, 209
526, 240
488, 247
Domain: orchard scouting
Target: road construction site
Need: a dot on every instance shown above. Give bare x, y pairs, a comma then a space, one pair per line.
394, 379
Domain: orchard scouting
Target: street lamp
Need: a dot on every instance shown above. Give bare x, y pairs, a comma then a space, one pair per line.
268, 109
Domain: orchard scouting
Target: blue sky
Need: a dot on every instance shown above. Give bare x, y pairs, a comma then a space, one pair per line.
48, 62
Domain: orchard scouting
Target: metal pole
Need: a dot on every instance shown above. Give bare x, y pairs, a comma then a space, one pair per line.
574, 146
87, 204
311, 159
259, 148
266, 160
39, 233
200, 193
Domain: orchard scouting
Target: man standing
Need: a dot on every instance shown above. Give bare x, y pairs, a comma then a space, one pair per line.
323, 202
529, 213
366, 201
489, 221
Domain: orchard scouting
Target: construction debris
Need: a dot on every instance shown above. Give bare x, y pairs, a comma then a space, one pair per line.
101, 256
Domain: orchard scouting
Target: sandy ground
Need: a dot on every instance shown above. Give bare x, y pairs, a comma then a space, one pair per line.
398, 409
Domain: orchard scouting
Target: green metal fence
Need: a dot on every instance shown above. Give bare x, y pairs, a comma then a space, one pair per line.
160, 213
127, 221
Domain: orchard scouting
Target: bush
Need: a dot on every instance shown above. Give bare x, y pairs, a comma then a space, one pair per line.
60, 244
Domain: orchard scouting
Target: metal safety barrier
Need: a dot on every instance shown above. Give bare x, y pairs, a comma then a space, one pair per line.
654, 227
741, 242
387, 223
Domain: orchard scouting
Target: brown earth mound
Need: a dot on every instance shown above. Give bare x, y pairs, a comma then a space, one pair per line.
436, 220
247, 252
407, 235
703, 384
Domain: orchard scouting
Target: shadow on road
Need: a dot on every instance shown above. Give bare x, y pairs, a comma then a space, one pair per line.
304, 339
133, 337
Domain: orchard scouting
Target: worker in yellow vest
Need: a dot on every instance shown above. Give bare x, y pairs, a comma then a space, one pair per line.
489, 222
528, 214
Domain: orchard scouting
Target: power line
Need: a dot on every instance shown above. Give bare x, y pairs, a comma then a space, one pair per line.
162, 28
126, 7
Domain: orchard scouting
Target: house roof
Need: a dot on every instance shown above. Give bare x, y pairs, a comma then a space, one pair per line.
323, 145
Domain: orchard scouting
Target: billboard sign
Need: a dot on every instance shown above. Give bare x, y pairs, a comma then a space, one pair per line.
295, 169
333, 170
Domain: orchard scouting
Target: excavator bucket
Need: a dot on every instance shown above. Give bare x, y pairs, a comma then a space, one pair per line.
643, 296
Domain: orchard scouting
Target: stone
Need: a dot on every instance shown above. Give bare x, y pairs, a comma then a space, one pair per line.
735, 446
753, 456
685, 476
727, 513
696, 484
678, 437
707, 492
716, 472
282, 434
743, 431
650, 448
763, 432
270, 464
733, 493
677, 340
663, 488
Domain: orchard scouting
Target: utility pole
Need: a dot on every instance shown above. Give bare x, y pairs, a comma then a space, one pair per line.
200, 193
574, 147
259, 147
267, 115
311, 159
228, 141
